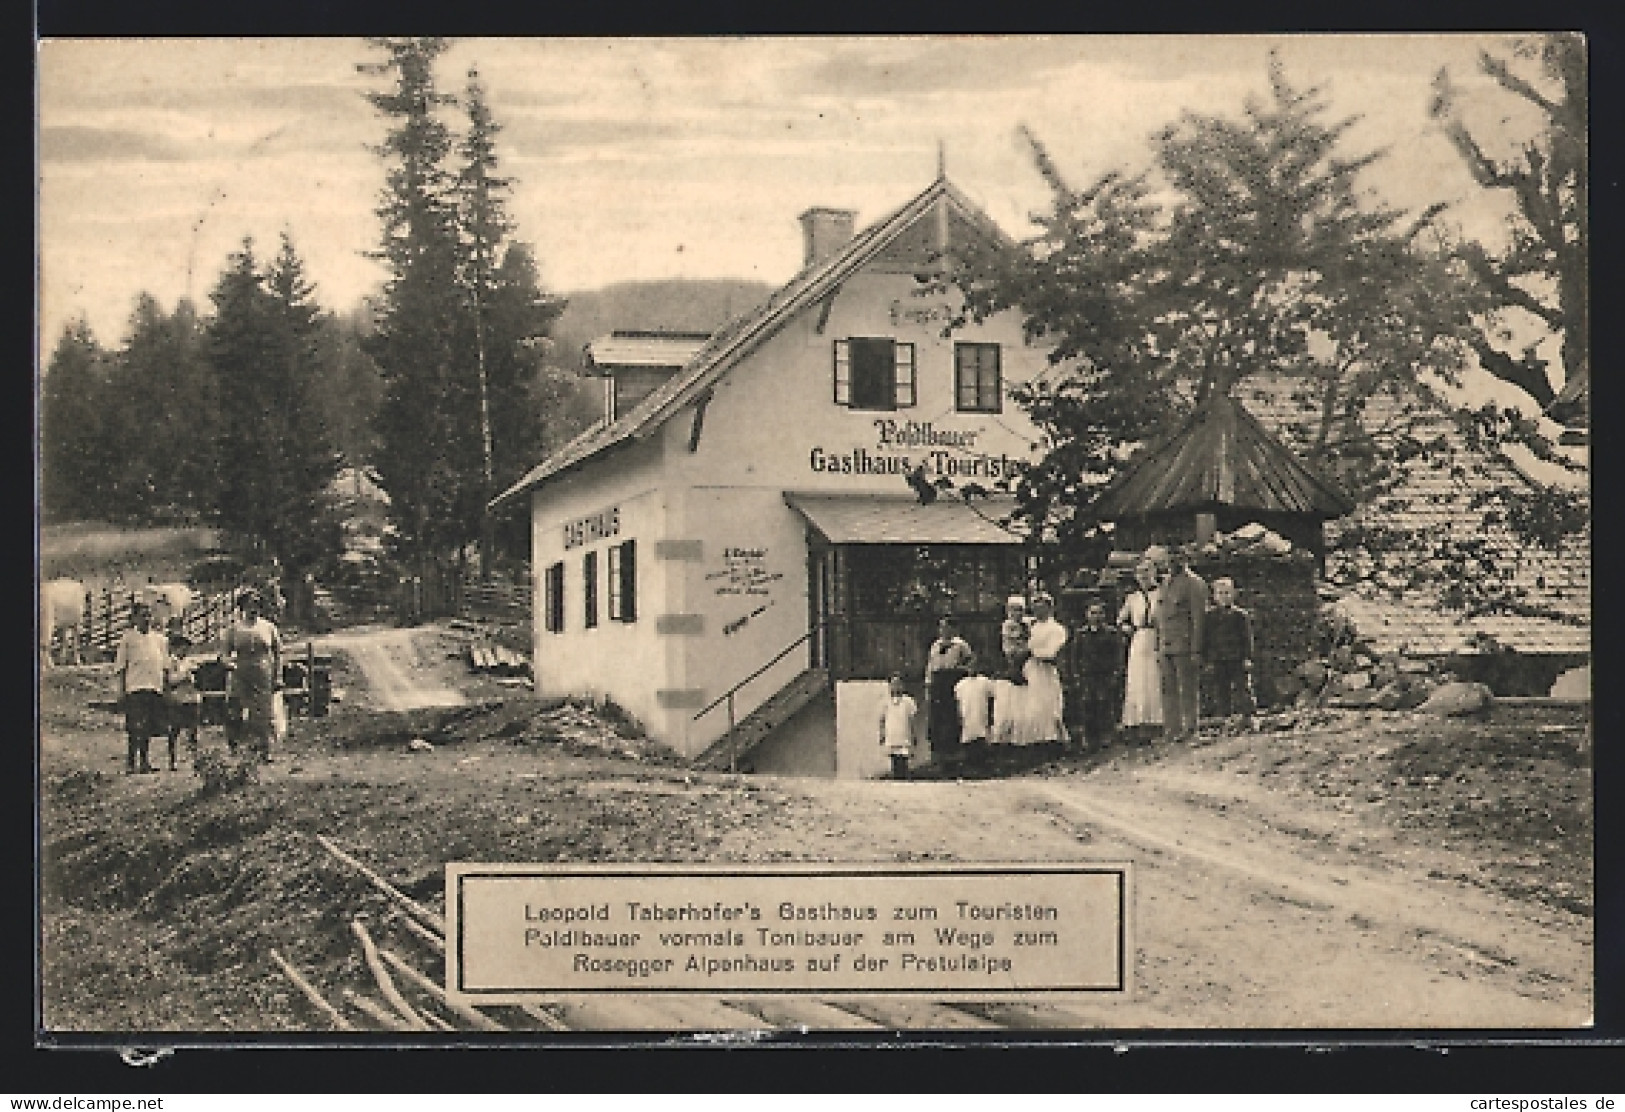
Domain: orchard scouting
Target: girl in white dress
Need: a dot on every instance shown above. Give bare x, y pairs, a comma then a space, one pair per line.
1142, 684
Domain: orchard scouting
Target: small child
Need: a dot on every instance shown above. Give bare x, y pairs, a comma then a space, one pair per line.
1227, 644
183, 703
1101, 655
897, 719
1015, 635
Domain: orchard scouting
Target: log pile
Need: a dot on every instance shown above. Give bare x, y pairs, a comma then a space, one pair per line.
402, 996
491, 658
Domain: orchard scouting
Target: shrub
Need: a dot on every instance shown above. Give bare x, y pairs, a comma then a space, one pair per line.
224, 771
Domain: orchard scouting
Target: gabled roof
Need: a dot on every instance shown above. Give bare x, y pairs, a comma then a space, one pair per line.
737, 339
1220, 457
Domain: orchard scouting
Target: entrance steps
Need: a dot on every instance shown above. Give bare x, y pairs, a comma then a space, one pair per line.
759, 724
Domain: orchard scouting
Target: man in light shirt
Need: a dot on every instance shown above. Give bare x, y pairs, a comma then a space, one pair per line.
138, 667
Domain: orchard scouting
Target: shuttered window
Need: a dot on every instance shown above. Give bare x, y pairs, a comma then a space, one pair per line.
589, 589
874, 373
623, 582
553, 597
977, 378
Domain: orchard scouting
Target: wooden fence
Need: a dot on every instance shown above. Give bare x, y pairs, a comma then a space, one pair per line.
443, 594
107, 616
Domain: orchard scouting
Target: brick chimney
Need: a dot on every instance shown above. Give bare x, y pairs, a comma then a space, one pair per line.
825, 231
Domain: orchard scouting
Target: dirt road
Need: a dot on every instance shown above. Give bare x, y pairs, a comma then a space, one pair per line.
1248, 910
396, 676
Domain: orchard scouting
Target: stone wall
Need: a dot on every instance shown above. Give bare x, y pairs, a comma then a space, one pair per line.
1279, 593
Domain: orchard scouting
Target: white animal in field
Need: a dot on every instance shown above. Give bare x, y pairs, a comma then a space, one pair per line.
62, 610
167, 600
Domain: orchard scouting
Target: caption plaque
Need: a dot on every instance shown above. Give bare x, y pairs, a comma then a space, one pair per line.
531, 933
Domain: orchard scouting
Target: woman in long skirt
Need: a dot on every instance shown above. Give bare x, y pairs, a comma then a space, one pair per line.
1142, 682
253, 649
1042, 721
948, 663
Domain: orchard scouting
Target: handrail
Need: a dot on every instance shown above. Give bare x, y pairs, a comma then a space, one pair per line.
782, 653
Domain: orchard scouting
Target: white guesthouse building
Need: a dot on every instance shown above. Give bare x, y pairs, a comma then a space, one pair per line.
739, 532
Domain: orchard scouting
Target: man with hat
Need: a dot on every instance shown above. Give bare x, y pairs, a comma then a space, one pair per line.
1181, 610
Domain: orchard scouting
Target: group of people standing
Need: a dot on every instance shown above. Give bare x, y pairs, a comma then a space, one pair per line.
159, 696
1176, 625
1172, 625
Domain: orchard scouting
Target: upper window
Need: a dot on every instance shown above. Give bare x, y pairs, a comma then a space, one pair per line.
874, 373
977, 385
553, 597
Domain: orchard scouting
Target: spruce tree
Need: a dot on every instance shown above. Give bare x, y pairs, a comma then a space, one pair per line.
75, 410
425, 448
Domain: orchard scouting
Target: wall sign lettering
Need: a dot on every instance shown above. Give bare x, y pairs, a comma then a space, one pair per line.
944, 453
743, 572
594, 527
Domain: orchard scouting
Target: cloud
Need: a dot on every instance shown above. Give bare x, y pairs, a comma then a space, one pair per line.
905, 67
72, 143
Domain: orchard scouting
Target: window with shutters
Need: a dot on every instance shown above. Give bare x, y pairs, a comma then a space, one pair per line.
977, 385
874, 373
589, 589
553, 597
623, 582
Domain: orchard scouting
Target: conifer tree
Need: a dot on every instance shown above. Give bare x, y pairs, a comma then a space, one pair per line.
426, 453
75, 409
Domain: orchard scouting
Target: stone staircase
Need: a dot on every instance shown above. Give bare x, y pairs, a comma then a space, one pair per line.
756, 726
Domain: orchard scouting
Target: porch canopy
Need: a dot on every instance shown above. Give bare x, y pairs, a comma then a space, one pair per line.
903, 519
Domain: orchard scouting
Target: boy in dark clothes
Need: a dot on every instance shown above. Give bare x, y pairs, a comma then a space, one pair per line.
1227, 644
1100, 657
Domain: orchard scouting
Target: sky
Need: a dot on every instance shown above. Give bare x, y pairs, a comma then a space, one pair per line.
658, 158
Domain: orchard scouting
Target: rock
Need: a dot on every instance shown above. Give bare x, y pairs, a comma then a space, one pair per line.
1573, 684
1401, 695
1311, 672
1408, 666
1456, 699
1357, 699
1355, 681
1252, 531
418, 745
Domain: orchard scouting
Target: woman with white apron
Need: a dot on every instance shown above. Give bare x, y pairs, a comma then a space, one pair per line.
1142, 682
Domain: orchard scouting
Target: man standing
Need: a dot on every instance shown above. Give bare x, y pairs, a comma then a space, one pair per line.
1182, 609
138, 666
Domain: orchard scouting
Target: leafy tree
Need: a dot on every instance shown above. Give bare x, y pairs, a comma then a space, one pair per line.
426, 454
1083, 282
1541, 273
74, 413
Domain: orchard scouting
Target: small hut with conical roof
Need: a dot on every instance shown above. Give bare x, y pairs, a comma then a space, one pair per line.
1219, 471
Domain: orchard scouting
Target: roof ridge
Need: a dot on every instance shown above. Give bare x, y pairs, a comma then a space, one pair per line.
726, 344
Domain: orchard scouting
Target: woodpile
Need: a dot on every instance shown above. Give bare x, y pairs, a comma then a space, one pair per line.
402, 996
493, 659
